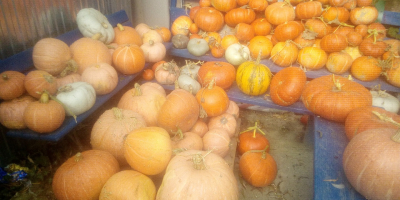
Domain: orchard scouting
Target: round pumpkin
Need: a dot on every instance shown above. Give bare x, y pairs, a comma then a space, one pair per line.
199, 175
260, 45
102, 76
222, 73
111, 128
209, 19
213, 100
11, 84
167, 73
312, 58
200, 128
288, 31
339, 62
393, 73
261, 27
240, 15
12, 112
128, 184
333, 43
308, 10
253, 138
335, 15
318, 26
368, 47
287, 86
333, 97
279, 13
284, 53
186, 141
70, 78
253, 78
225, 121
128, 59
363, 15
366, 68
83, 175
224, 5
217, 140
181, 25
148, 150
37, 81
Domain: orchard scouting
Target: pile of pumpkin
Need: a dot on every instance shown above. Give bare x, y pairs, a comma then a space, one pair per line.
341, 35
73, 75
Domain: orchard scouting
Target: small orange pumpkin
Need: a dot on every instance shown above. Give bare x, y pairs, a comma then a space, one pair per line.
11, 84
126, 35
37, 81
212, 99
128, 59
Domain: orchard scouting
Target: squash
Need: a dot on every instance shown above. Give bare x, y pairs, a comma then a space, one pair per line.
385, 100
260, 43
240, 15
142, 28
128, 184
127, 35
198, 175
213, 100
197, 46
11, 84
188, 83
233, 109
102, 76
151, 35
148, 150
92, 22
284, 54
222, 73
237, 53
67, 79
312, 58
339, 62
12, 112
363, 15
191, 69
83, 175
224, 5
180, 41
308, 10
287, 86
181, 25
111, 128
366, 68
128, 59
37, 81
78, 97
153, 51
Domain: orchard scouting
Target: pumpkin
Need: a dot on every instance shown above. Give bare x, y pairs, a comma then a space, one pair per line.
318, 26
237, 53
153, 51
204, 3
83, 175
180, 111
212, 38
200, 128
92, 23
70, 78
242, 2
253, 78
337, 2
186, 141
12, 111
111, 128
335, 15
258, 168
145, 99
233, 109
180, 41
308, 10
350, 5
287, 86
253, 138
167, 73
37, 81
343, 29
354, 38
193, 11
258, 5
209, 19
312, 58
44, 115
127, 35
198, 46
260, 45
222, 73
363, 15
288, 31
181, 25
217, 140
354, 52
261, 27
142, 28
224, 5
148, 74
370, 163
217, 51
362, 29
148, 150
52, 55
393, 73
11, 85
128, 59
366, 118
188, 83
376, 30
370, 48
279, 13
165, 33
191, 69
225, 121
102, 76
128, 184
151, 35
213, 100
385, 100
88, 51
339, 62
284, 53
78, 97
240, 15
198, 175
366, 68
194, 30
333, 43
244, 32
333, 97
227, 40
306, 39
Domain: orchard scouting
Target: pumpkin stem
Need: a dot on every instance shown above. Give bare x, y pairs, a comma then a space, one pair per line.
65, 88
104, 25
44, 98
259, 57
386, 118
396, 137
178, 134
118, 113
138, 91
374, 33
151, 42
120, 27
176, 84
178, 150
211, 84
255, 128
199, 162
71, 67
262, 151
203, 113
5, 77
97, 36
338, 86
78, 157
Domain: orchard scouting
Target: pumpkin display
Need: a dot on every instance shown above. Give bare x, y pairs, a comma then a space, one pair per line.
126, 35
217, 140
258, 168
102, 76
11, 84
212, 99
128, 59
224, 121
186, 141
253, 138
240, 15
369, 117
44, 115
77, 97
153, 51
167, 73
287, 86
260, 45
180, 111
209, 19
333, 97
339, 62
284, 54
52, 55
222, 73
83, 175
88, 51
312, 58
37, 81
145, 99
279, 13
198, 175
128, 184
370, 163
148, 150
12, 111
366, 68
93, 24
111, 128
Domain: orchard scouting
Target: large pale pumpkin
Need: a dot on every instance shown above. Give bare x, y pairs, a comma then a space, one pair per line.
198, 175
128, 184
148, 150
83, 175
109, 131
253, 78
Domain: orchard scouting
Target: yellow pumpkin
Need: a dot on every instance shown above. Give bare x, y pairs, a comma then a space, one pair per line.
253, 78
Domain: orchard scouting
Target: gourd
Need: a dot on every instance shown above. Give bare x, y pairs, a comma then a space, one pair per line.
37, 81
237, 53
148, 150
128, 184
111, 128
78, 97
198, 175
83, 175
197, 47
385, 100
11, 84
153, 51
102, 76
12, 112
92, 22
188, 83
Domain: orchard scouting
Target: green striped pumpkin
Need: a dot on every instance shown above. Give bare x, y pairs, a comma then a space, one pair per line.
253, 78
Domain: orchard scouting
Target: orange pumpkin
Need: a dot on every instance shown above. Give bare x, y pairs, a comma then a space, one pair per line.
308, 10
186, 141
284, 53
287, 86
239, 15
333, 43
279, 13
318, 26
223, 74
126, 35
12, 112
253, 138
11, 84
224, 5
129, 59
37, 81
165, 33
354, 38
217, 140
369, 47
212, 99
217, 51
261, 27
258, 5
339, 62
363, 15
181, 25
288, 31
366, 68
209, 19
260, 46
227, 40
335, 15
393, 73
225, 121
244, 32
312, 58
200, 128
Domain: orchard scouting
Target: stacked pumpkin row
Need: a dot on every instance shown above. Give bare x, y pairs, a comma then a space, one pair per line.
341, 35
73, 75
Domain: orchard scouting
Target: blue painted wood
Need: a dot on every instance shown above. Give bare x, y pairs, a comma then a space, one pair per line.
391, 18
23, 62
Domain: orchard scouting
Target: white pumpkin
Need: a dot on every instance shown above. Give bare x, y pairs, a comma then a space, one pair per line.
92, 23
78, 97
237, 53
188, 83
198, 46
386, 101
191, 69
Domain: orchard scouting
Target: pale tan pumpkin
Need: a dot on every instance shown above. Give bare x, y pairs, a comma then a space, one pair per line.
225, 121
12, 112
102, 76
217, 140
